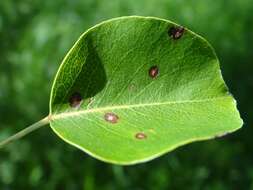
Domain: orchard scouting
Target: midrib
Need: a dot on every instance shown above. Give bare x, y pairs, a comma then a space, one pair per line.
80, 112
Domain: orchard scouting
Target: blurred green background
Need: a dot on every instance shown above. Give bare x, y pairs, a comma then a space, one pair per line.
35, 36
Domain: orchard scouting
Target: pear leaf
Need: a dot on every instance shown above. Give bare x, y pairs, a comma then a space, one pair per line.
134, 88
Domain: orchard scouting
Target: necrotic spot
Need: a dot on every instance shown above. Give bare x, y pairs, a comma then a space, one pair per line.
111, 117
153, 71
140, 135
176, 32
75, 100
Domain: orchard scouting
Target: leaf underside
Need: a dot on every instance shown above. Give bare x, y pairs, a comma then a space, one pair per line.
129, 91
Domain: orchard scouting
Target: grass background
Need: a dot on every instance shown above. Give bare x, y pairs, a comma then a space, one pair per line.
35, 35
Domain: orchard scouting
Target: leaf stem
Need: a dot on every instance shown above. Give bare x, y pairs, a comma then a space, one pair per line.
25, 131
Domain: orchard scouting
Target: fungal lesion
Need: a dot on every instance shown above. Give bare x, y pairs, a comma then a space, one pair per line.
111, 117
75, 100
176, 32
140, 135
153, 71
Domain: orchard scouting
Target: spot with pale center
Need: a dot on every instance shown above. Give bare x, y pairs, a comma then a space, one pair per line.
75, 100
176, 32
140, 135
111, 117
153, 71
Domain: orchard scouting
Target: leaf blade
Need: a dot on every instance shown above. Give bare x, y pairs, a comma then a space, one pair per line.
110, 65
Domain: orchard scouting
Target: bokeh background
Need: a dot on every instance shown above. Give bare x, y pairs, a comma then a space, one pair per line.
35, 35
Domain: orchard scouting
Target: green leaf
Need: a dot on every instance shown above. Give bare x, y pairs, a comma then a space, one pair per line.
134, 88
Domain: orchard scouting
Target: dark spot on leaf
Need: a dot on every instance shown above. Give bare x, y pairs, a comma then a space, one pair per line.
153, 71
111, 117
140, 135
176, 32
75, 100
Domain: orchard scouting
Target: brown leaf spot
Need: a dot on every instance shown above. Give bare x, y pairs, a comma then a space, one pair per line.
153, 71
176, 32
111, 117
140, 135
75, 100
